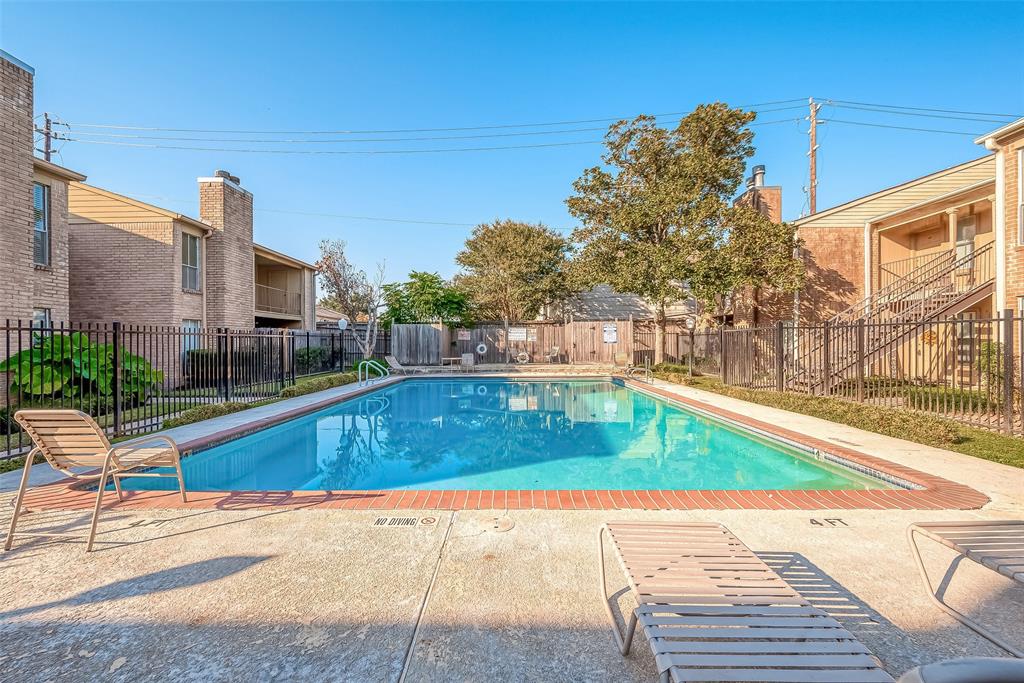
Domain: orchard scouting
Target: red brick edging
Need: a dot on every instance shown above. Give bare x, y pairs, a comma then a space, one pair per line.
935, 493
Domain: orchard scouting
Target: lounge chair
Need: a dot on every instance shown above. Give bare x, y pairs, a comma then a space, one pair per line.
399, 369
553, 356
997, 545
71, 439
468, 363
622, 360
712, 610
973, 669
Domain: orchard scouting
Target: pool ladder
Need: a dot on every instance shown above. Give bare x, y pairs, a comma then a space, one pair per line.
363, 372
635, 370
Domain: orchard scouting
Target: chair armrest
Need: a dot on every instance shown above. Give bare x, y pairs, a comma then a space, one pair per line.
141, 443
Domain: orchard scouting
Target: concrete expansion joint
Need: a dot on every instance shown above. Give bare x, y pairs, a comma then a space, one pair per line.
426, 599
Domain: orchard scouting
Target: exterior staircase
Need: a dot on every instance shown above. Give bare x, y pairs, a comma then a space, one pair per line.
872, 330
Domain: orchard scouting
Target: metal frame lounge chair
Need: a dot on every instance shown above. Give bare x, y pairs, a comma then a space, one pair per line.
400, 369
554, 355
712, 610
997, 545
70, 438
468, 363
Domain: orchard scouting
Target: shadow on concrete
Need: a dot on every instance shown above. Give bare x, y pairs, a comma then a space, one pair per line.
183, 576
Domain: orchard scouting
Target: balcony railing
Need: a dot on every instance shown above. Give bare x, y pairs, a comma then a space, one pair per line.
273, 300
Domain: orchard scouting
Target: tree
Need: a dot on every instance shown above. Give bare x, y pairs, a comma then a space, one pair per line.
511, 269
426, 297
657, 216
351, 291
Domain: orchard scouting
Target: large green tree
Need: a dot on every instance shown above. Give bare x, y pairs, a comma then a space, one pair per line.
511, 269
426, 297
657, 218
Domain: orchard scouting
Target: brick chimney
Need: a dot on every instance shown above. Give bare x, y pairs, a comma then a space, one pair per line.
16, 216
227, 207
766, 199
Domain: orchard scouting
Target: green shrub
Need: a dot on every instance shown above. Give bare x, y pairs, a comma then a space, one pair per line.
319, 384
69, 366
207, 411
7, 423
309, 358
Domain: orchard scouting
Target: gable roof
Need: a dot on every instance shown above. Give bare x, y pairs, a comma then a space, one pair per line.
1008, 129
53, 169
112, 207
855, 212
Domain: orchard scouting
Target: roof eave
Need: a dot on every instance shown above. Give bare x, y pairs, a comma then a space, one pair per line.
59, 171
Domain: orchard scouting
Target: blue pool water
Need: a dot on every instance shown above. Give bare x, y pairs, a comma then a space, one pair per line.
500, 434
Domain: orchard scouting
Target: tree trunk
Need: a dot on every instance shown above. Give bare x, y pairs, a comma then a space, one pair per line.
659, 334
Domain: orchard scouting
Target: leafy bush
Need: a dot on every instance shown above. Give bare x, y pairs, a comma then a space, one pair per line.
319, 384
208, 411
70, 365
7, 423
309, 359
991, 363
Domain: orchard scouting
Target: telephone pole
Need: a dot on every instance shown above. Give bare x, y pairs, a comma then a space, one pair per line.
47, 135
812, 153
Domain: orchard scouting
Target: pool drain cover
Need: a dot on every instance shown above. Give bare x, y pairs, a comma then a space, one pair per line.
498, 525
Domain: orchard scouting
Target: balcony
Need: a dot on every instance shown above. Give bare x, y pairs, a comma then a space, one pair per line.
273, 301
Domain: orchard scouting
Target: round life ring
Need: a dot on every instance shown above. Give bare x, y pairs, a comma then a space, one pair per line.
523, 357
481, 348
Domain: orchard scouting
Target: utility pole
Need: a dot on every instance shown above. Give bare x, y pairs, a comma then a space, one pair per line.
812, 189
47, 135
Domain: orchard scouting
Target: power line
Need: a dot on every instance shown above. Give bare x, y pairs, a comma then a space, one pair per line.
397, 130
884, 125
916, 113
126, 136
943, 111
139, 145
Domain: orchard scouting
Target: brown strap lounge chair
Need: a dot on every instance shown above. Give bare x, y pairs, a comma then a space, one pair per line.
71, 439
997, 545
712, 610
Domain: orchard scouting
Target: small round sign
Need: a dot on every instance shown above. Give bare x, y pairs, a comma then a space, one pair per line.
342, 324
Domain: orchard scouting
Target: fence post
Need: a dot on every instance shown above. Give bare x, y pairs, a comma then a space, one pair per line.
1008, 369
116, 379
307, 372
861, 333
280, 362
780, 361
722, 355
689, 365
291, 353
826, 358
229, 365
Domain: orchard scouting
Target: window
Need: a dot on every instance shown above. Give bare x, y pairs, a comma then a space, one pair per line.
190, 335
966, 228
41, 318
1020, 305
41, 217
189, 262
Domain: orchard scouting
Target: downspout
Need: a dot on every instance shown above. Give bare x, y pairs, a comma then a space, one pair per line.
206, 237
999, 224
867, 262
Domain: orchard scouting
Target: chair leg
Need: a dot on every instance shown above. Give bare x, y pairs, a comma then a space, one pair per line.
117, 487
623, 642
19, 501
181, 479
959, 616
99, 503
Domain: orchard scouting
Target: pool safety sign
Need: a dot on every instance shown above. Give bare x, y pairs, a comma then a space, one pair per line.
463, 335
611, 333
517, 334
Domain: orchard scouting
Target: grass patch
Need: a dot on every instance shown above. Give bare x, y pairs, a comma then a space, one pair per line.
902, 424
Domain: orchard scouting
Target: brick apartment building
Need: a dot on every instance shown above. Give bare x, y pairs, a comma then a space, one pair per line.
755, 306
33, 209
76, 253
145, 265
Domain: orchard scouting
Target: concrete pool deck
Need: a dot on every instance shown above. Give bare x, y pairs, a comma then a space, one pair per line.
286, 593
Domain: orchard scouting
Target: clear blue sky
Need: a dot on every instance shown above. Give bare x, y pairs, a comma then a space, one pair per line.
400, 66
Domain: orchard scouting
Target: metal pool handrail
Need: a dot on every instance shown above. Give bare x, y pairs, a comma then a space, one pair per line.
363, 371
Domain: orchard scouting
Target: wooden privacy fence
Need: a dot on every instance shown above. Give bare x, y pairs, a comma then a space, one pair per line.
572, 342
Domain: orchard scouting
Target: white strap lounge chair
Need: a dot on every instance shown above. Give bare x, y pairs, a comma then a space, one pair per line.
554, 355
400, 369
712, 610
468, 363
997, 545
71, 439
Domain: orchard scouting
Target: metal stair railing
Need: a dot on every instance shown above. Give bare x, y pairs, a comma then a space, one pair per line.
363, 372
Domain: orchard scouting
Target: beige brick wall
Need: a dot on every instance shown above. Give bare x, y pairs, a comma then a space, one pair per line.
229, 280
835, 271
16, 191
1014, 248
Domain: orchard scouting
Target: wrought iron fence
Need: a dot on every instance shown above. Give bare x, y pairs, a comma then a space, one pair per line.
132, 378
966, 369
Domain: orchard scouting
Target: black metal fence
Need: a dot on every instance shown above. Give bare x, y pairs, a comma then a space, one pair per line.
966, 369
132, 378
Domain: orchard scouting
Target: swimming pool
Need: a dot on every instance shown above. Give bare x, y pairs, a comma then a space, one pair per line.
506, 434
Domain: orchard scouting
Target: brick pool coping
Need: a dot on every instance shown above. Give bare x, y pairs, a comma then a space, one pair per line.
932, 492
